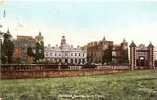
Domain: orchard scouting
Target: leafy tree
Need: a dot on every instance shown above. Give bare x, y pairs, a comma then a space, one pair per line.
1, 35
107, 56
124, 56
7, 48
30, 54
39, 51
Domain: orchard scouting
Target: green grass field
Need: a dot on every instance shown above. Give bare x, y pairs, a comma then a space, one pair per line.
133, 85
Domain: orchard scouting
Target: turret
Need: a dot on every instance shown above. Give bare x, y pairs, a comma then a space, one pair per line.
104, 38
124, 44
151, 55
8, 31
132, 55
39, 38
63, 41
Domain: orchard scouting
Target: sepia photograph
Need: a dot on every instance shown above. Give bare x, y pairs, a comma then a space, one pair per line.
78, 50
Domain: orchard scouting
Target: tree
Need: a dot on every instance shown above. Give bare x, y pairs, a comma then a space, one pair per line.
107, 56
30, 54
39, 50
7, 48
125, 56
1, 46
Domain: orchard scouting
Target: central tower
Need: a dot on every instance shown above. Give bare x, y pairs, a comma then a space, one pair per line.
63, 42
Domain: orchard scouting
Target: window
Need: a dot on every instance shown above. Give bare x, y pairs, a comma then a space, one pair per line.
83, 61
71, 60
75, 54
71, 54
79, 54
66, 54
47, 55
75, 60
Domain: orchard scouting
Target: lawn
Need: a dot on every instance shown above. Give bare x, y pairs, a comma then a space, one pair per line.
133, 85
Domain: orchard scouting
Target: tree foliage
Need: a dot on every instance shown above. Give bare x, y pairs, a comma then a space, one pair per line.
7, 47
39, 50
30, 55
124, 56
30, 52
107, 55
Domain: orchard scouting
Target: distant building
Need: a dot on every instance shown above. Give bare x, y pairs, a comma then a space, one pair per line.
141, 56
120, 53
65, 53
22, 43
95, 50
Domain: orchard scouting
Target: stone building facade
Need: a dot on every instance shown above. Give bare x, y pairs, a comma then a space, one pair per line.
141, 56
65, 53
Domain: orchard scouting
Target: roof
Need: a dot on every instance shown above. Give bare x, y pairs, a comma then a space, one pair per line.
132, 44
150, 45
20, 37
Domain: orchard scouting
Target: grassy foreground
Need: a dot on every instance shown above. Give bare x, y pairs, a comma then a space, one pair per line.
133, 85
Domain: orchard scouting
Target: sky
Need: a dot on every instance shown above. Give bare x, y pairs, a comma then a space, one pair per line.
82, 21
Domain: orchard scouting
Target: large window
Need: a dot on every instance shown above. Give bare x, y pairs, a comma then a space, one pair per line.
66, 54
71, 60
75, 60
51, 54
83, 61
79, 61
47, 55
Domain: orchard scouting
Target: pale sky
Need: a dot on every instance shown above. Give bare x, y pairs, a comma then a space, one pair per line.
82, 21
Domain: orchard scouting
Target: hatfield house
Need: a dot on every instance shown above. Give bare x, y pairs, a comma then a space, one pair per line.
66, 53
29, 50
96, 52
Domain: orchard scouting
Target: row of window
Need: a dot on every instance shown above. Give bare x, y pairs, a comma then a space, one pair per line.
24, 43
66, 54
69, 60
